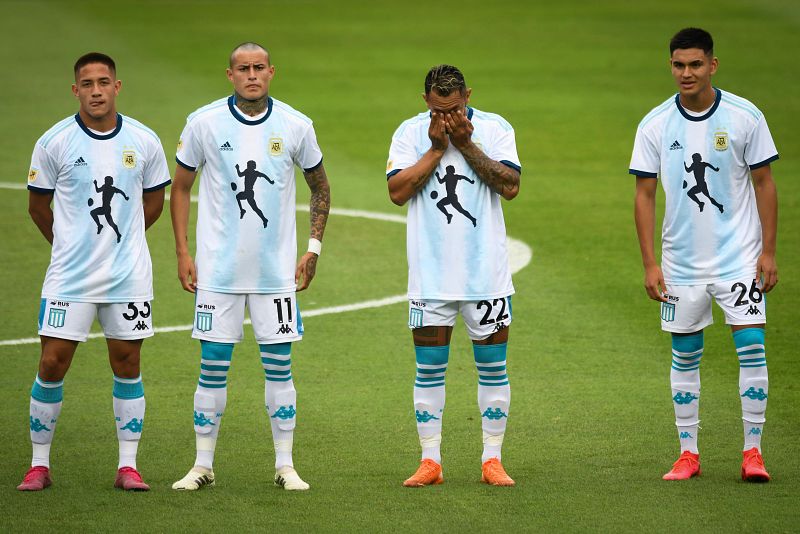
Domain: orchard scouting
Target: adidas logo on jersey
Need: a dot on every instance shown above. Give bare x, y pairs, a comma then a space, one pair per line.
80, 162
675, 146
284, 329
225, 146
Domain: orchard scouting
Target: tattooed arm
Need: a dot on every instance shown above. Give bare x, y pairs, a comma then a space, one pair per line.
408, 182
320, 206
502, 179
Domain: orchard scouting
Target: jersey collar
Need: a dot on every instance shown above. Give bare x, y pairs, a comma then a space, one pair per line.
238, 116
701, 117
93, 135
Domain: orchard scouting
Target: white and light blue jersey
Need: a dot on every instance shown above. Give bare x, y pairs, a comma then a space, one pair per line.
711, 231
246, 232
456, 234
97, 180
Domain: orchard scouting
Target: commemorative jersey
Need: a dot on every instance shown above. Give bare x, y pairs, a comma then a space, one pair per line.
246, 234
97, 180
456, 234
711, 230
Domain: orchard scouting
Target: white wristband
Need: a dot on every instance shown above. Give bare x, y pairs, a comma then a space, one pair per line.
315, 246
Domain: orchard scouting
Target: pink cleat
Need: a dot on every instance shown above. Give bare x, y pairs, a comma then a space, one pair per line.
129, 479
36, 479
687, 466
753, 469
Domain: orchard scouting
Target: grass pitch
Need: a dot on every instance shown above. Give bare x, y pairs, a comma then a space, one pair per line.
591, 427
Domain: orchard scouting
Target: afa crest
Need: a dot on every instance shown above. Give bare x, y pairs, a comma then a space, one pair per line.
32, 174
721, 141
275, 146
128, 159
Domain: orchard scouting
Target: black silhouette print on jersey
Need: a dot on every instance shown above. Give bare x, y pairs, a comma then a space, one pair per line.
108, 191
698, 167
250, 175
450, 180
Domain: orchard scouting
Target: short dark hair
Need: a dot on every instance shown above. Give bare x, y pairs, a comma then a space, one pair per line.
444, 79
692, 38
248, 47
95, 57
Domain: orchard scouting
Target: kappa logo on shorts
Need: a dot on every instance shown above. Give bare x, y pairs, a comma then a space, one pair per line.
752, 310
141, 325
203, 322
415, 318
499, 326
667, 312
56, 317
285, 329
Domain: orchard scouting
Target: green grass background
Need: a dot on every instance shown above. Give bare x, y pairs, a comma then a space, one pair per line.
591, 428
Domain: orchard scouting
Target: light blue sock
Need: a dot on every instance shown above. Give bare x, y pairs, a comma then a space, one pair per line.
280, 399
429, 398
45, 408
753, 383
494, 396
684, 378
210, 398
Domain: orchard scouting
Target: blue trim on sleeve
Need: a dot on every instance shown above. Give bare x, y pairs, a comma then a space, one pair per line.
469, 112
511, 165
643, 174
711, 111
185, 166
755, 165
390, 174
315, 167
41, 190
157, 187
238, 116
93, 135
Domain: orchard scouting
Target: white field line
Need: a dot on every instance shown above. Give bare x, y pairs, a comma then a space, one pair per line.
519, 256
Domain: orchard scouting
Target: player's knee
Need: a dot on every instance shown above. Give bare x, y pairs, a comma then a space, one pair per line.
432, 355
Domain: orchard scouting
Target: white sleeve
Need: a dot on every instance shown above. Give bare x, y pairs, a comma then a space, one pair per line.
43, 173
759, 147
155, 174
190, 148
504, 149
308, 155
646, 157
402, 152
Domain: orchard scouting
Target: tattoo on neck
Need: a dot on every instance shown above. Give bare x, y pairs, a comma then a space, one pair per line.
251, 107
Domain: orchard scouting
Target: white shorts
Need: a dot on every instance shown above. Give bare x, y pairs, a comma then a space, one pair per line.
73, 320
689, 307
481, 317
220, 316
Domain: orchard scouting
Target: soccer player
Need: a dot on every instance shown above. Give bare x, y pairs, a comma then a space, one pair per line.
456, 264
241, 259
94, 273
725, 254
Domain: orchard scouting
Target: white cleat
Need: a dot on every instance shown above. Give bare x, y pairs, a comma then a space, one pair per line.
287, 478
195, 479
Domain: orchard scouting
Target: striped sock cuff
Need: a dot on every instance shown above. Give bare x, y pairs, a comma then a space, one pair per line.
687, 352
490, 360
750, 347
215, 362
128, 388
430, 376
277, 362
48, 392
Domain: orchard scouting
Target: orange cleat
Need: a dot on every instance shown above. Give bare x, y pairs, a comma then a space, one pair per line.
129, 479
687, 466
428, 473
36, 479
494, 474
753, 469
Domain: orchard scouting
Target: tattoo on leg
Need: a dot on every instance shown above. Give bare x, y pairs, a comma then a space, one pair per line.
432, 336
